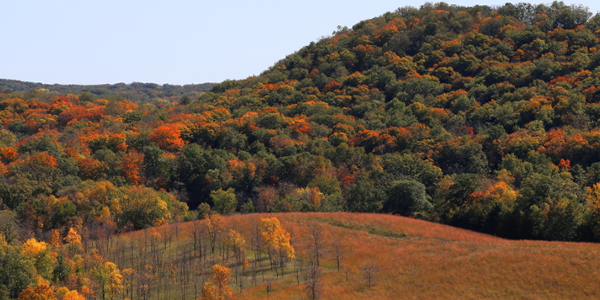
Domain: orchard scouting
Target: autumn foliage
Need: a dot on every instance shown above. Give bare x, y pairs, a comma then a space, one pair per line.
486, 117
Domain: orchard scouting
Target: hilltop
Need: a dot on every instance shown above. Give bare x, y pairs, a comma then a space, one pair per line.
137, 91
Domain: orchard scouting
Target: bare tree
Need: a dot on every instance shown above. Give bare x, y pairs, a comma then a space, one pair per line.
9, 226
313, 285
338, 252
269, 287
255, 240
146, 283
198, 232
317, 242
167, 236
298, 267
370, 271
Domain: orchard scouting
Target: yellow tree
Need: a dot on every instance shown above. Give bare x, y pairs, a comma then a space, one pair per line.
73, 295
217, 289
65, 294
236, 242
209, 292
277, 241
55, 239
73, 241
41, 292
115, 283
39, 254
109, 279
214, 226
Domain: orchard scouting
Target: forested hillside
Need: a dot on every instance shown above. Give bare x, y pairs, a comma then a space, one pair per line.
477, 117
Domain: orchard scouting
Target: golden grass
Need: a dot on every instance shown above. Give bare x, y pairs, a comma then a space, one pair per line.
423, 260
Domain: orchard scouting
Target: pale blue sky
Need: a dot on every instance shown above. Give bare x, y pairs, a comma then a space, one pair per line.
176, 41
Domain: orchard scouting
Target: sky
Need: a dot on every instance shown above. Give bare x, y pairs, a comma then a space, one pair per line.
176, 41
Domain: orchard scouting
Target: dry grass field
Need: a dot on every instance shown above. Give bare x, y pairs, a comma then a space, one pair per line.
405, 258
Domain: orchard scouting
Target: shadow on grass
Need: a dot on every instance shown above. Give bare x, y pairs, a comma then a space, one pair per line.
371, 230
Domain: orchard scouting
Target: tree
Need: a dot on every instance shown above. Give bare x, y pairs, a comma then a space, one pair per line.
9, 227
224, 202
217, 289
461, 156
311, 198
339, 252
17, 273
90, 168
110, 279
73, 295
452, 195
62, 270
131, 164
167, 137
143, 207
39, 254
370, 271
267, 197
317, 242
406, 197
73, 241
277, 241
41, 292
364, 196
39, 167
214, 227
236, 242
313, 284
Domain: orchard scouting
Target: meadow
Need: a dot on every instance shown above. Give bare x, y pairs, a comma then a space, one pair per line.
379, 256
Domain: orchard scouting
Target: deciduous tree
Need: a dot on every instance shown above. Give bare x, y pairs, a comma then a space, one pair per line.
217, 289
224, 202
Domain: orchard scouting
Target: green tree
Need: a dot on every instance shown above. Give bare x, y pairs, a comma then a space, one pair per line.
364, 196
109, 278
453, 194
406, 197
16, 273
224, 202
142, 207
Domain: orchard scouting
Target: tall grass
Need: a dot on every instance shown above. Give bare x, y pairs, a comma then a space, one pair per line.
413, 259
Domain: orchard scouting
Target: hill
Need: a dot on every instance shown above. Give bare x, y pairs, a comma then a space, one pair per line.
476, 117
137, 92
410, 259
470, 116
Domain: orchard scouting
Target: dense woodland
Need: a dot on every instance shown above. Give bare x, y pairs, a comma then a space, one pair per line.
477, 117
137, 92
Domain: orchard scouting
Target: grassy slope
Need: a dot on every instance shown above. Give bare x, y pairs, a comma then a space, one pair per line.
418, 259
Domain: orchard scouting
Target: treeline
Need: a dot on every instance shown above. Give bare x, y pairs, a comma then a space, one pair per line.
137, 92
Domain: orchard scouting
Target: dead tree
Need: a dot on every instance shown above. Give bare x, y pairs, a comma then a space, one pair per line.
198, 232
338, 252
313, 285
317, 242
370, 271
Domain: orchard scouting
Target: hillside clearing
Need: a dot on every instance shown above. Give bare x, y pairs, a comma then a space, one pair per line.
411, 259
